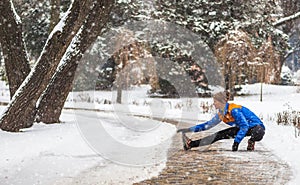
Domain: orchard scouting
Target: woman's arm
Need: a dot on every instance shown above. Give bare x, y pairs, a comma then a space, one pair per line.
241, 123
206, 125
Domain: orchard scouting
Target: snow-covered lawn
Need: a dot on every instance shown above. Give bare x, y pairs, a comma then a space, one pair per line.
49, 154
54, 154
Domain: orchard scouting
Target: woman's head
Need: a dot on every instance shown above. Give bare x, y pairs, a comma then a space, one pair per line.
220, 99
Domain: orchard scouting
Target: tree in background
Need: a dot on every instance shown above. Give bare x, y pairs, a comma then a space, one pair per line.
291, 9
35, 24
235, 52
38, 20
146, 62
214, 19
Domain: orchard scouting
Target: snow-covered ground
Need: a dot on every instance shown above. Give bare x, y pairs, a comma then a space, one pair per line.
55, 154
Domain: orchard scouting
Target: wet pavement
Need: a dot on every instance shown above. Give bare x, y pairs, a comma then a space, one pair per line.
217, 164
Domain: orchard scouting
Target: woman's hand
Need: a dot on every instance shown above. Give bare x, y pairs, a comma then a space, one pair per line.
184, 130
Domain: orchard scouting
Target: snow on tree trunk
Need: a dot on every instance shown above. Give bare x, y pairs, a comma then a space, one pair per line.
11, 41
53, 99
20, 112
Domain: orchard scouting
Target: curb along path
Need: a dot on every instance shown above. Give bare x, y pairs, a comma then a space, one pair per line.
217, 164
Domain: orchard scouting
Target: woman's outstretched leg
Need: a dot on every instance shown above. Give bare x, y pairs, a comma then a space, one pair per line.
228, 133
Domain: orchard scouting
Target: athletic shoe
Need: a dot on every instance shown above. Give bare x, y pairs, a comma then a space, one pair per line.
186, 142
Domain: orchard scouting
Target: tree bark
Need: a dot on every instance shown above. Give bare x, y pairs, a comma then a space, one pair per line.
53, 99
13, 48
119, 88
21, 110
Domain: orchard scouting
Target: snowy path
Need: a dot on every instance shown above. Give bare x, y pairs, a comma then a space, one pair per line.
58, 154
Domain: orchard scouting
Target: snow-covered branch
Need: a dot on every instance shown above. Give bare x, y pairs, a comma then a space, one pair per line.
290, 52
286, 19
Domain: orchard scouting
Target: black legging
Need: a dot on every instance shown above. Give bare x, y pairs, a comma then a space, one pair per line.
256, 133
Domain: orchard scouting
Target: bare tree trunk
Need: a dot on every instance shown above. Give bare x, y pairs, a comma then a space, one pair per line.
53, 99
21, 110
55, 12
229, 80
119, 88
13, 48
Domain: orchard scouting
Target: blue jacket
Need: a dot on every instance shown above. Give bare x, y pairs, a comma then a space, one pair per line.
233, 115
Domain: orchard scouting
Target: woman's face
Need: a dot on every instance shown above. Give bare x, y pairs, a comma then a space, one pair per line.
219, 105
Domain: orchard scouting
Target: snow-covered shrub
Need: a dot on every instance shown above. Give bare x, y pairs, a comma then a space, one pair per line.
286, 76
290, 117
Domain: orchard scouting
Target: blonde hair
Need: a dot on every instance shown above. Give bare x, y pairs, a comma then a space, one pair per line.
221, 97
